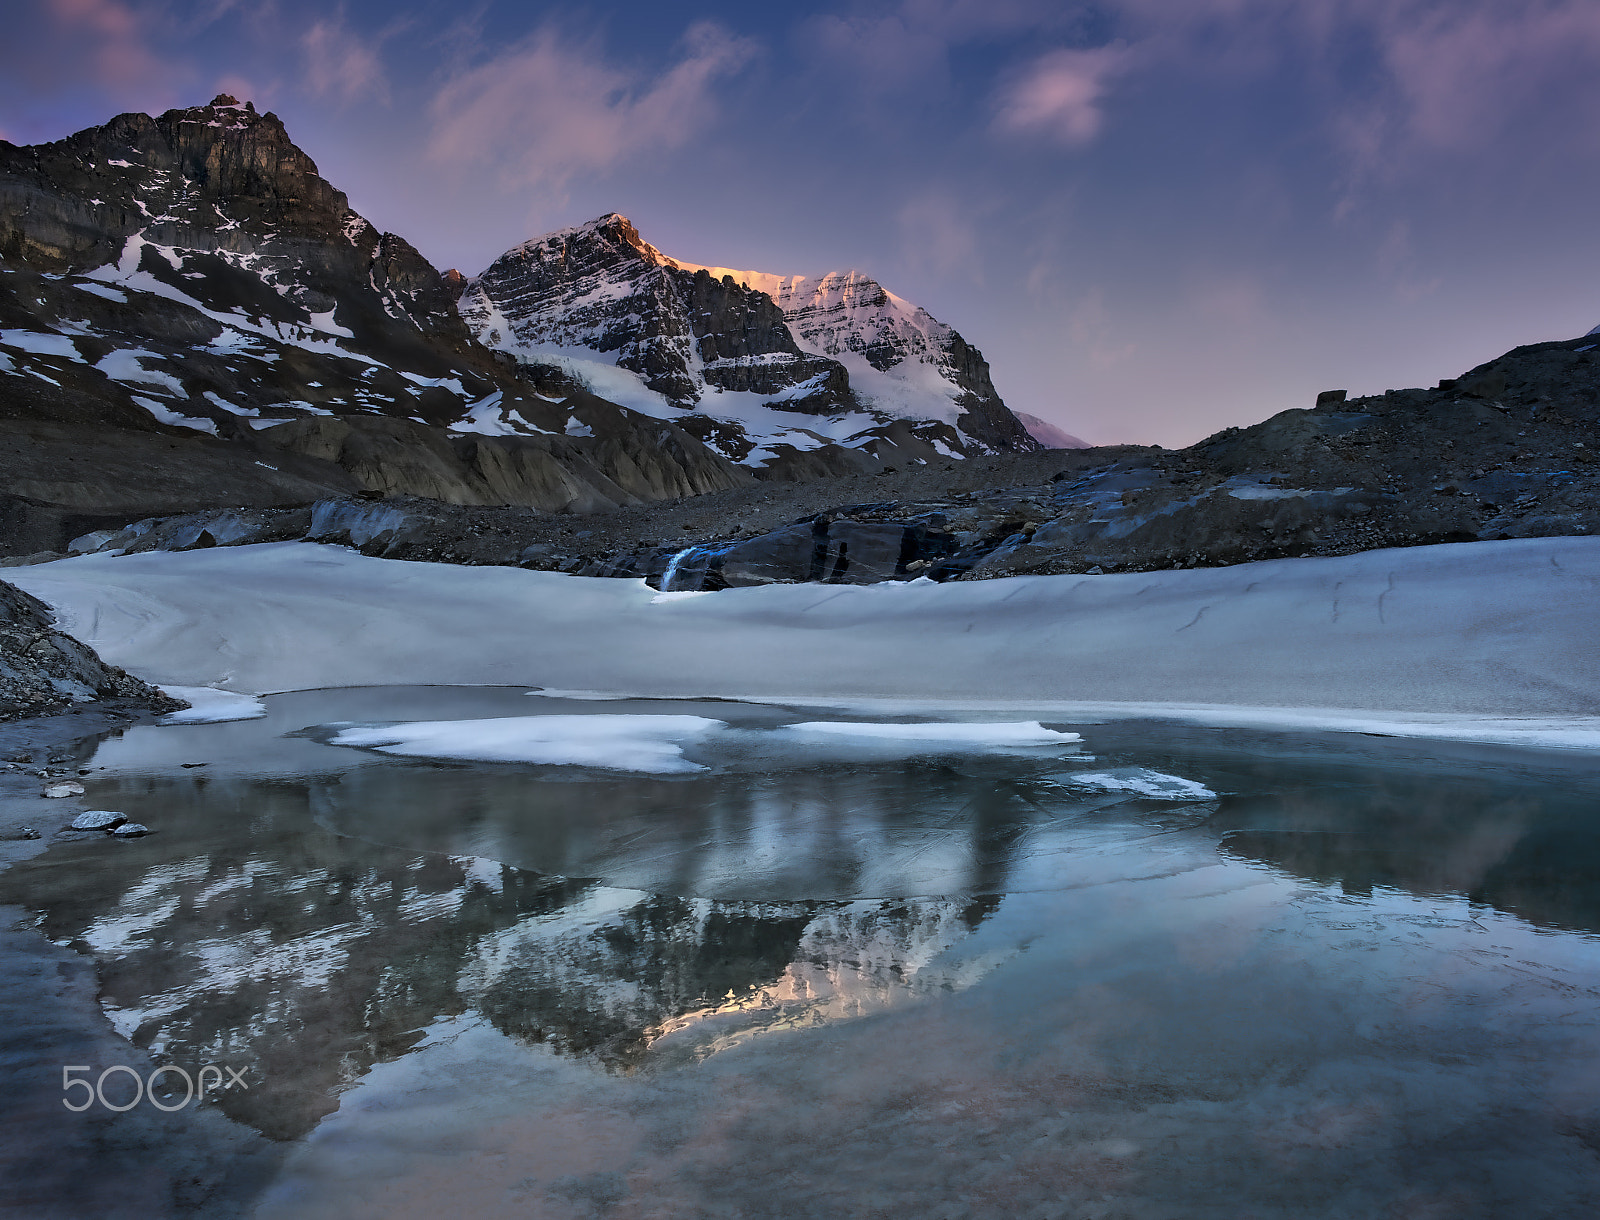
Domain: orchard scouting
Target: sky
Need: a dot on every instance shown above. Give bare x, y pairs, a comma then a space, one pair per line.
1156, 218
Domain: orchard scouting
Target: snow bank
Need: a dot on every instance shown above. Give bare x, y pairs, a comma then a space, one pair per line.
983, 736
207, 705
616, 743
1480, 641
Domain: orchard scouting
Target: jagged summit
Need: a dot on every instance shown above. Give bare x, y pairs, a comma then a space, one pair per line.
193, 273
591, 241
751, 353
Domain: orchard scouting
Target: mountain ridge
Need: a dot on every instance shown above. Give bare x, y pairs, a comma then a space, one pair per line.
191, 316
873, 370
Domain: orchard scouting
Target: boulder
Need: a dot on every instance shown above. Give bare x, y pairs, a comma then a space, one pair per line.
793, 553
98, 819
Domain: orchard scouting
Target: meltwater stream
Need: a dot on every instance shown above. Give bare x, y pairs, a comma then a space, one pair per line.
1162, 972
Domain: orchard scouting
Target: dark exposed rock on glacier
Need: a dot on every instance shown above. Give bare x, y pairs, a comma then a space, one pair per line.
43, 670
1404, 468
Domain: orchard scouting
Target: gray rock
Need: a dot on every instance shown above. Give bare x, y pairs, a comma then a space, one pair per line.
830, 551
1482, 383
93, 541
130, 830
65, 789
790, 554
98, 819
43, 670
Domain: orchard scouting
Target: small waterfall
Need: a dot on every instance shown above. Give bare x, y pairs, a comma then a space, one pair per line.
672, 568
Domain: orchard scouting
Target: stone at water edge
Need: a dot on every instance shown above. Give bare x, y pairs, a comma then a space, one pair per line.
69, 788
24, 832
130, 830
98, 819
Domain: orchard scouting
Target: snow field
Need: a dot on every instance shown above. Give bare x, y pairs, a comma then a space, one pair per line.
1489, 641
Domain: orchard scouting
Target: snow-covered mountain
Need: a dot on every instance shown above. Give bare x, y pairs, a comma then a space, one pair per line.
763, 367
191, 315
1048, 435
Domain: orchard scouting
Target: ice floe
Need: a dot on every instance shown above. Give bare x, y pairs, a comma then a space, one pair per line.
208, 705
1142, 781
652, 743
980, 735
616, 743
1485, 641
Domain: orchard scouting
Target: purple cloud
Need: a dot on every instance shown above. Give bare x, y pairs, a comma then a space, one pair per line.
1061, 94
549, 107
341, 64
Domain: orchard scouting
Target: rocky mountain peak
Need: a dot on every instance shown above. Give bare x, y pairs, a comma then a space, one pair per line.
174, 179
231, 153
193, 274
604, 244
838, 345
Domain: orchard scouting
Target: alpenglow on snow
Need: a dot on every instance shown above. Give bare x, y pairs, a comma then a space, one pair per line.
762, 367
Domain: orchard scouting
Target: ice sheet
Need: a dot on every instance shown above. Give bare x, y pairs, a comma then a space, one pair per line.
1488, 641
617, 743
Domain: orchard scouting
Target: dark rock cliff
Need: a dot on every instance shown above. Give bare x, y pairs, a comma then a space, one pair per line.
182, 298
43, 670
1509, 450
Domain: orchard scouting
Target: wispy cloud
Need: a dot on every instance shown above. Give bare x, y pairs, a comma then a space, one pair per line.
1096, 335
1466, 71
116, 48
936, 234
877, 49
1061, 94
550, 107
342, 64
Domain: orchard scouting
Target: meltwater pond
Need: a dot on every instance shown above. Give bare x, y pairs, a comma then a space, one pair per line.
688, 959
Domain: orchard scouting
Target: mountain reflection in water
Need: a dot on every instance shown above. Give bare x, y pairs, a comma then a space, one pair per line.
306, 918
248, 933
